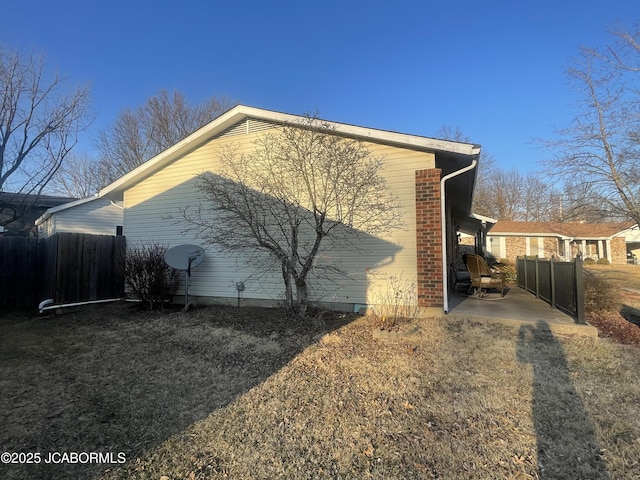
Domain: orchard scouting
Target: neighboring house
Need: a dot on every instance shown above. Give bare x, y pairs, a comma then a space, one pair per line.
26, 209
432, 179
508, 240
632, 237
94, 215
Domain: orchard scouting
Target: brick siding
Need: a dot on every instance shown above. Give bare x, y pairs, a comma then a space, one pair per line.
618, 251
517, 247
429, 238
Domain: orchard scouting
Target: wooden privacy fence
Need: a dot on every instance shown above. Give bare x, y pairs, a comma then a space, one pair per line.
560, 284
66, 267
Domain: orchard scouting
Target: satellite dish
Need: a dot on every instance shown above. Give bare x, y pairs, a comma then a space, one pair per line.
185, 257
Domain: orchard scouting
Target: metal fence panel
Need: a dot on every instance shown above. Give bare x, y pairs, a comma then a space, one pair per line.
560, 284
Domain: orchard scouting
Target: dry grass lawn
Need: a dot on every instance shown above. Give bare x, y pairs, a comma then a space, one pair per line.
622, 323
228, 393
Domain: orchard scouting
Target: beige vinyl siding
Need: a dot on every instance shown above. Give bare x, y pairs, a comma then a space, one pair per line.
153, 209
96, 217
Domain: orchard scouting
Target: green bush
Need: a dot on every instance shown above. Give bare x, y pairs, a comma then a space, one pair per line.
589, 261
599, 294
148, 275
603, 261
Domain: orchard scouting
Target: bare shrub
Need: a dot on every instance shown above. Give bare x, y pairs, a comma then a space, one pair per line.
603, 261
508, 269
148, 275
399, 302
599, 294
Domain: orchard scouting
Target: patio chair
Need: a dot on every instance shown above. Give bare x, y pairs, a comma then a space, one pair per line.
482, 277
461, 277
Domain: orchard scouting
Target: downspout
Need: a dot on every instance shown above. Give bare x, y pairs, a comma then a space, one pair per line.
443, 219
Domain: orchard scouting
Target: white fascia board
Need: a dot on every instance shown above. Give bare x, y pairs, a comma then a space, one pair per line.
556, 235
384, 136
64, 206
530, 234
240, 112
482, 218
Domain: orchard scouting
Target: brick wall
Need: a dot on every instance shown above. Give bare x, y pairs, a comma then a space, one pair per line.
429, 238
618, 251
515, 247
551, 247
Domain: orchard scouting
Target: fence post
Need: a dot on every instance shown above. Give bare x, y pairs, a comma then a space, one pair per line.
552, 281
579, 290
537, 278
524, 269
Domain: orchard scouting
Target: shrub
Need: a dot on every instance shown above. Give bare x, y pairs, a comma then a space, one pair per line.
398, 303
148, 275
603, 261
589, 261
599, 295
508, 269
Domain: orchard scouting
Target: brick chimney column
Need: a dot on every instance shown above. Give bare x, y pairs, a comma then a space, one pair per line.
429, 238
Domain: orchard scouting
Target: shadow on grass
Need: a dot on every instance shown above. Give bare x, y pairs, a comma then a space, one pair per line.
118, 381
631, 314
567, 445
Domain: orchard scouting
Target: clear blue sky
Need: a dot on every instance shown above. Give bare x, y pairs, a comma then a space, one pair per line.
493, 68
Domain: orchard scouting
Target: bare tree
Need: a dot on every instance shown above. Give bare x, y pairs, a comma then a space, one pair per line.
80, 176
508, 194
297, 191
39, 125
599, 151
483, 201
140, 134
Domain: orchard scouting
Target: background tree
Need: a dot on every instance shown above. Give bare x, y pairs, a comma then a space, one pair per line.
599, 152
482, 199
140, 134
508, 194
39, 125
297, 191
80, 176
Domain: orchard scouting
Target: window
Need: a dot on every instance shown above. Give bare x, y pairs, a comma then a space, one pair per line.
535, 247
119, 230
496, 247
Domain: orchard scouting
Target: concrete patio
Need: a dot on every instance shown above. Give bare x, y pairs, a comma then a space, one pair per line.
517, 307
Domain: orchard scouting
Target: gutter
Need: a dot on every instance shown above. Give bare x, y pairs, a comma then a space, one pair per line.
443, 219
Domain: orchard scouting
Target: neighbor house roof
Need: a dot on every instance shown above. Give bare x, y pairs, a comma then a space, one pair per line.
569, 230
37, 201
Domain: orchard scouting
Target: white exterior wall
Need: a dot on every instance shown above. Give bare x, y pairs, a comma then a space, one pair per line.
152, 212
96, 217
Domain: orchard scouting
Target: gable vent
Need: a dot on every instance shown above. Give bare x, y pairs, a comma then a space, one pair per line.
248, 125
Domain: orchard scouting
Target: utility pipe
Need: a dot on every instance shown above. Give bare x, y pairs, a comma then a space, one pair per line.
48, 304
443, 219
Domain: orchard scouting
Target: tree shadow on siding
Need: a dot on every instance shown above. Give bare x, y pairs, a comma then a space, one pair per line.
566, 441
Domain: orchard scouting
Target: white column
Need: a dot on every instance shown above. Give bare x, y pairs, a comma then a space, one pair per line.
609, 257
584, 248
567, 250
600, 249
